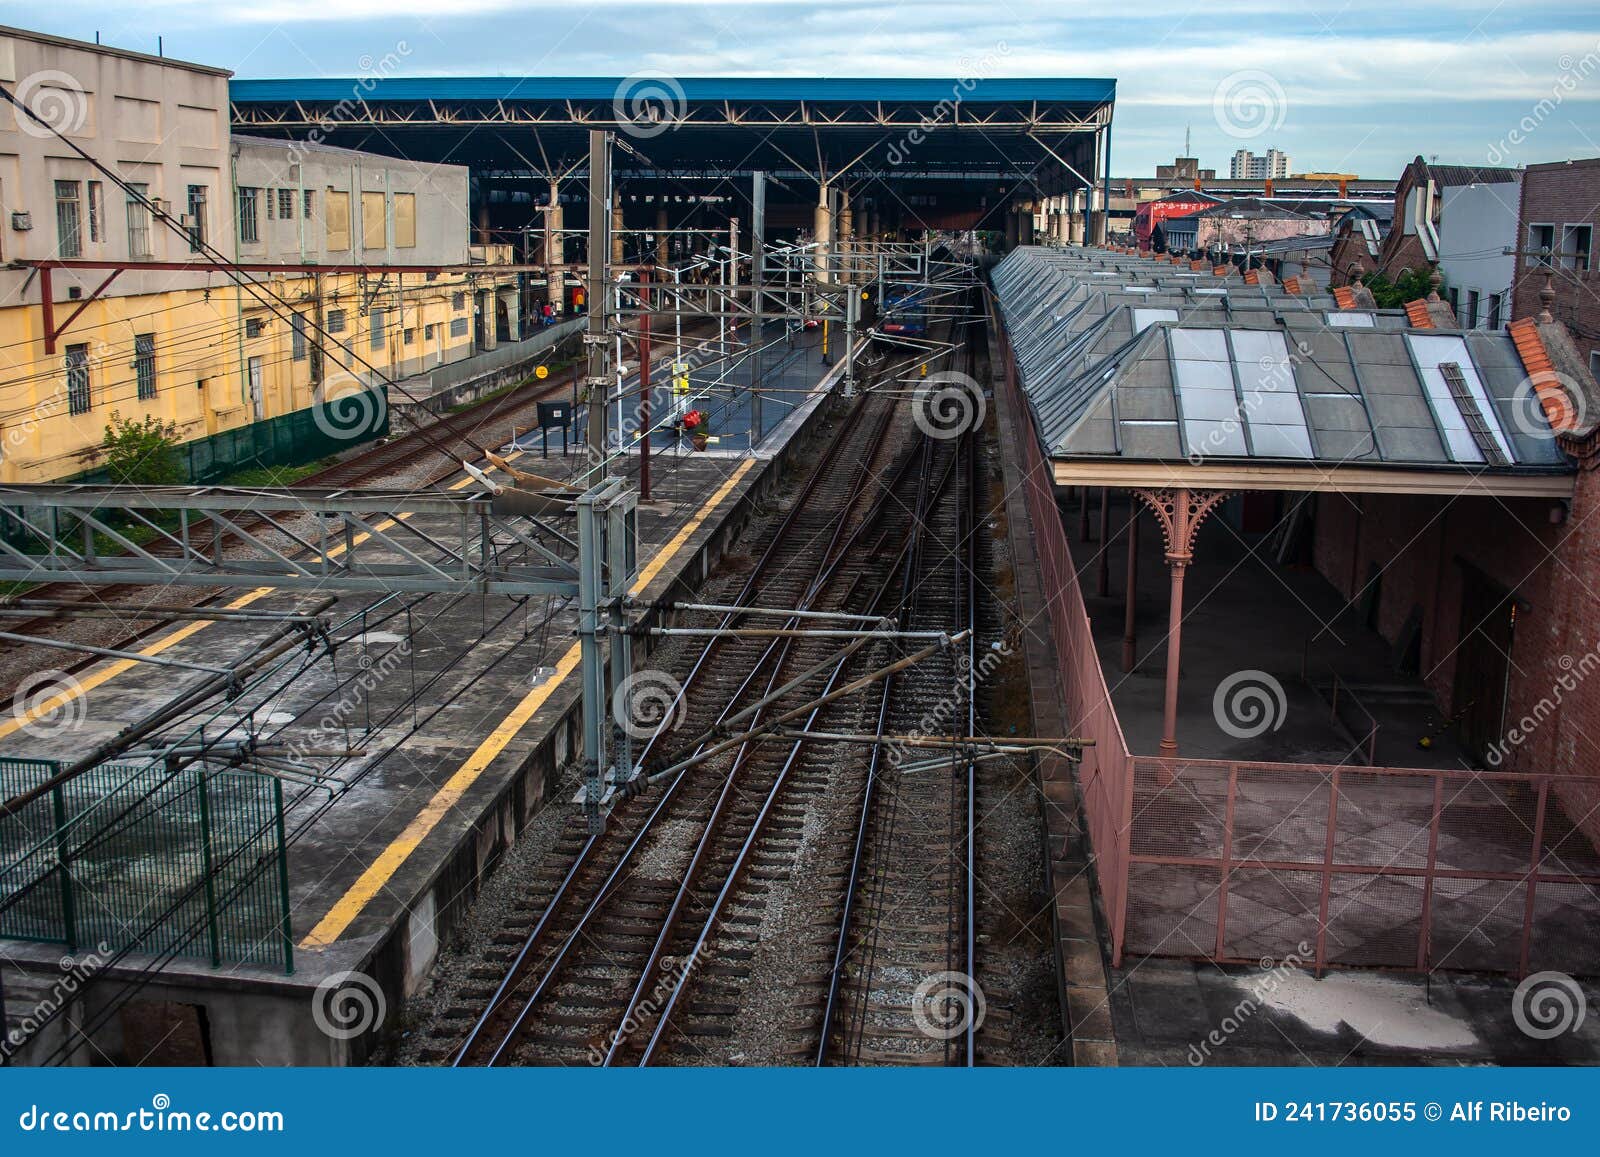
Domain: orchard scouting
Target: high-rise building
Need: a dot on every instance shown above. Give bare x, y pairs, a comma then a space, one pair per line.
1273, 166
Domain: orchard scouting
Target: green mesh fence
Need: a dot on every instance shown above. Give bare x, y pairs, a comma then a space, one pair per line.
291, 440
147, 858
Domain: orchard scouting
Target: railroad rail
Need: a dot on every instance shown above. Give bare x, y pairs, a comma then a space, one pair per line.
639, 945
456, 434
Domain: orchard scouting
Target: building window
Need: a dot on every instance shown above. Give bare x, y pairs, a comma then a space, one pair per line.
94, 211
1541, 242
1576, 242
69, 238
458, 301
427, 332
1495, 306
78, 399
458, 327
249, 215
197, 218
286, 204
305, 206
374, 229
1594, 364
297, 336
1470, 321
254, 326
375, 321
405, 220
410, 337
336, 212
144, 364
138, 221
336, 321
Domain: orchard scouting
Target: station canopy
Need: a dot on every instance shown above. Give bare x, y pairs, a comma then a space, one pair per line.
1138, 374
988, 132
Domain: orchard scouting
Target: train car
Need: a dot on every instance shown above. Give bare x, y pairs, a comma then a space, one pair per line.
905, 313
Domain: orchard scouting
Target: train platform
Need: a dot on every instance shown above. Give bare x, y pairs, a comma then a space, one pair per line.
463, 712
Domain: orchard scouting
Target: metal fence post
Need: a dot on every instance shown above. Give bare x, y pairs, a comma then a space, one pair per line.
283, 879
1227, 857
69, 908
1534, 858
212, 932
1425, 936
1327, 872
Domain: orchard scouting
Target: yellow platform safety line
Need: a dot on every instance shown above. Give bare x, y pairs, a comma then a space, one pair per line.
382, 870
81, 686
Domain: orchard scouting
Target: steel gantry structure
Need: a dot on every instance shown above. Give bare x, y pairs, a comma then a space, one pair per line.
870, 156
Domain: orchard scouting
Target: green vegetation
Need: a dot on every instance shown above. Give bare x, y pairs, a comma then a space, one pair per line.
274, 475
1411, 285
143, 453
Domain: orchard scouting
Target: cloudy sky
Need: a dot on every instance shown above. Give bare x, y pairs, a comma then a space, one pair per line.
1346, 85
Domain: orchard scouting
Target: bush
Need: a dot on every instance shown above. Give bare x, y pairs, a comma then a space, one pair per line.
143, 453
1411, 285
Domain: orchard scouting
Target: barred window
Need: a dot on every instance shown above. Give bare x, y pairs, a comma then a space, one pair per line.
297, 336
458, 327
138, 221
197, 218
69, 236
336, 321
144, 364
79, 400
249, 215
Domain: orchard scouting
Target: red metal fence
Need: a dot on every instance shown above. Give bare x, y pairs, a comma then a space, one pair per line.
1354, 865
1392, 867
1105, 775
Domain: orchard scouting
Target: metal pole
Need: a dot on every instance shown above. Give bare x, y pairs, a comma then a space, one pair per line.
592, 660
1103, 577
598, 376
1130, 635
758, 233
1169, 715
644, 387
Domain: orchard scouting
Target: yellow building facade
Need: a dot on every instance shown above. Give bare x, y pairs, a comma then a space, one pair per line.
243, 374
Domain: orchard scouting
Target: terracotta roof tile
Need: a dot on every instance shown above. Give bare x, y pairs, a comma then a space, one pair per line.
1557, 403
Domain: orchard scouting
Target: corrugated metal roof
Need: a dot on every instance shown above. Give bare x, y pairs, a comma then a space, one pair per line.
1056, 90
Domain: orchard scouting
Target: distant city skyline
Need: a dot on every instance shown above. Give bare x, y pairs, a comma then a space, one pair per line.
1353, 86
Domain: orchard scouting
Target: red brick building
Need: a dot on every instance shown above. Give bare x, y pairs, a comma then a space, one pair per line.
1560, 210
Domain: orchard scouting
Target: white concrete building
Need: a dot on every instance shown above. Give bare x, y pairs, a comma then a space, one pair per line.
1477, 227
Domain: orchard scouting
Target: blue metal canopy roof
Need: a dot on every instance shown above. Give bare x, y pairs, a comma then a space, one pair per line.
1055, 90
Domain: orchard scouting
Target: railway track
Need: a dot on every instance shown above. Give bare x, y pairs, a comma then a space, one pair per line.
788, 899
453, 438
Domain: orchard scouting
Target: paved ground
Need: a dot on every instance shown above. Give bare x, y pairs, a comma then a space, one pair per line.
1174, 1012
1243, 614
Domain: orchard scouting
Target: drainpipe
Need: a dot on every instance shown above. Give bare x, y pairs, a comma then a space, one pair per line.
238, 290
